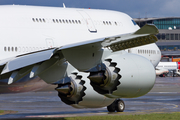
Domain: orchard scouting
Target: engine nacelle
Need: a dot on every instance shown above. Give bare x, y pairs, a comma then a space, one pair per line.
75, 90
125, 76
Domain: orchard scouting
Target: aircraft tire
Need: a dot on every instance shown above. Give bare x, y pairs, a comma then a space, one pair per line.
120, 106
111, 108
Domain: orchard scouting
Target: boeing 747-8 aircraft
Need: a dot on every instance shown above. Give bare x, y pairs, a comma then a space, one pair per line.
88, 54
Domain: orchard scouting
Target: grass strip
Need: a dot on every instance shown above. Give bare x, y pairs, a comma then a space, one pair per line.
1, 112
152, 116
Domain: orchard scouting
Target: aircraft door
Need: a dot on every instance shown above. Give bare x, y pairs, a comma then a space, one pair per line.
128, 50
88, 21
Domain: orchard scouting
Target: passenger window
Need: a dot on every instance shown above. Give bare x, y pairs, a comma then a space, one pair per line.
40, 20
115, 23
104, 22
109, 22
33, 19
37, 20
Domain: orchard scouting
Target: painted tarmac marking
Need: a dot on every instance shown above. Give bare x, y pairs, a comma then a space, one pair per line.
163, 92
50, 116
66, 115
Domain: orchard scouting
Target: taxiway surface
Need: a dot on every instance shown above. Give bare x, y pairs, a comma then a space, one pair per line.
164, 97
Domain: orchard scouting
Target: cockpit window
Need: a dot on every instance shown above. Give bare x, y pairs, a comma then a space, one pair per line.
134, 22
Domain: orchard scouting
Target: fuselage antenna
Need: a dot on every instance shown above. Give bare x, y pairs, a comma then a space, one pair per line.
64, 5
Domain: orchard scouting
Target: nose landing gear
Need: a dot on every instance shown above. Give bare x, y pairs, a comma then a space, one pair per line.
118, 105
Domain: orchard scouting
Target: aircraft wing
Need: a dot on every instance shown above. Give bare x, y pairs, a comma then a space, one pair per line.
26, 60
143, 36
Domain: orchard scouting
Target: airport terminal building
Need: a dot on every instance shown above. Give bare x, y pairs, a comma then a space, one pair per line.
169, 33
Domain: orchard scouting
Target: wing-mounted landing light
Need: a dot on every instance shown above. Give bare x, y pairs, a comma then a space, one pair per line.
143, 36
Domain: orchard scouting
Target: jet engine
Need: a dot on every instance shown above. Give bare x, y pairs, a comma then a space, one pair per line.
124, 76
75, 90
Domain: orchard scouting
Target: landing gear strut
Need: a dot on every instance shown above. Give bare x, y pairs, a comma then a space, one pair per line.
118, 105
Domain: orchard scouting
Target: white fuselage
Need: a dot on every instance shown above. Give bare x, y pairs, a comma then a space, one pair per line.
150, 52
165, 67
26, 29
168, 65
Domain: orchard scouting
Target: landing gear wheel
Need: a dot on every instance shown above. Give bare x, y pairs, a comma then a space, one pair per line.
120, 105
111, 108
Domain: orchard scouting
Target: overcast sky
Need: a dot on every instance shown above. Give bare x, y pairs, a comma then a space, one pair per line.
134, 8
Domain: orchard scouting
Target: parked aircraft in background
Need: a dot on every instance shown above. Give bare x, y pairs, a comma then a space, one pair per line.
164, 67
88, 54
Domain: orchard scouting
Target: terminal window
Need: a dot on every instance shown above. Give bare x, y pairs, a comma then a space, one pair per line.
172, 36
167, 36
176, 36
173, 23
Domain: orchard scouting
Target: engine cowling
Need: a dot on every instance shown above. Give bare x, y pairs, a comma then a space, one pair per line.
75, 90
125, 76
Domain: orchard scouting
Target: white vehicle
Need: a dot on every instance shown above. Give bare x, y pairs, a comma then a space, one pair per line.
86, 53
165, 67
